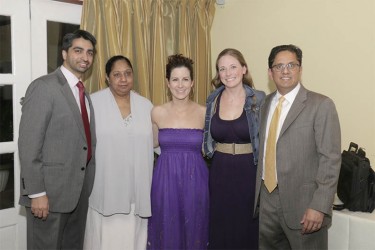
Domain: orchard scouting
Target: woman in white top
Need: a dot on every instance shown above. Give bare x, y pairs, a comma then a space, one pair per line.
120, 201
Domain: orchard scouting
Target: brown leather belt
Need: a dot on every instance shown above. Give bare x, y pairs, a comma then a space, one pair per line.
233, 148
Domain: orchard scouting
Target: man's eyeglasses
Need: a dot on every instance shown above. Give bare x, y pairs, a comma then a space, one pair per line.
290, 66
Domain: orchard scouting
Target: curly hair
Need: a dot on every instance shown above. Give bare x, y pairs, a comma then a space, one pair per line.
178, 61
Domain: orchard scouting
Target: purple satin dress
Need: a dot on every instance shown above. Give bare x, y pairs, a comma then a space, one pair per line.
179, 193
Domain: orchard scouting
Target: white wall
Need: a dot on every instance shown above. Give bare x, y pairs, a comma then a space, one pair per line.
337, 40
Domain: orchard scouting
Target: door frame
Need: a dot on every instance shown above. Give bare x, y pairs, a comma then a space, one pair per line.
41, 12
12, 220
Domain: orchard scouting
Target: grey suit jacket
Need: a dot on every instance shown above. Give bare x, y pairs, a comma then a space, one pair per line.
52, 144
308, 156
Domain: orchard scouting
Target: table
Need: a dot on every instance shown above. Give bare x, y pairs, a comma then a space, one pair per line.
352, 230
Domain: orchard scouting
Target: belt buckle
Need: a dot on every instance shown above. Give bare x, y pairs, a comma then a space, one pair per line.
233, 149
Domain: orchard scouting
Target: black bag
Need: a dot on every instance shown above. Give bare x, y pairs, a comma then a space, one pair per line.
356, 185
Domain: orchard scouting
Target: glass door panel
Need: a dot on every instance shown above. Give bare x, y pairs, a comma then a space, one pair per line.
6, 180
5, 45
50, 20
55, 33
6, 113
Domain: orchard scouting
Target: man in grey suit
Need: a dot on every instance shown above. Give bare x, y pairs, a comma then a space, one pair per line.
57, 150
297, 177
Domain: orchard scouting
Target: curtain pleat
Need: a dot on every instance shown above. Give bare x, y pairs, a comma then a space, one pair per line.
147, 32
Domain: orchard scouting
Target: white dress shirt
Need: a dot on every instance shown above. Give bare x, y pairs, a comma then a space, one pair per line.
72, 81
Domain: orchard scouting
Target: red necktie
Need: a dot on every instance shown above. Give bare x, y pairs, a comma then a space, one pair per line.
85, 117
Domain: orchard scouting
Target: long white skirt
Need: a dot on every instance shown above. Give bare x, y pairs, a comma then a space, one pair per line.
119, 231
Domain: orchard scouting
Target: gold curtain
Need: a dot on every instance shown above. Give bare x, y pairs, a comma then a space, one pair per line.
147, 32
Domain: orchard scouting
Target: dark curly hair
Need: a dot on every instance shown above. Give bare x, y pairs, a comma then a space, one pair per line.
178, 61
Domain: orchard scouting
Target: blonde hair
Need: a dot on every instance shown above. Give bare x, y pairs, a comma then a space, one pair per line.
216, 82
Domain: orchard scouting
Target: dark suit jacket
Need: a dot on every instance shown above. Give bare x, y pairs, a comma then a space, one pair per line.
52, 144
308, 156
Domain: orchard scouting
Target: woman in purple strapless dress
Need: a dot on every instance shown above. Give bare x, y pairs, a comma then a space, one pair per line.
179, 192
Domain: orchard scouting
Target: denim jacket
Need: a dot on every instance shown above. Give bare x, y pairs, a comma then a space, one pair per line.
252, 108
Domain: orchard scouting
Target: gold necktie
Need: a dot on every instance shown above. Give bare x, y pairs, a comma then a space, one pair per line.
270, 162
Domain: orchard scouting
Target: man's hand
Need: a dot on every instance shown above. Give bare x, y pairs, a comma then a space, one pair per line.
312, 221
40, 207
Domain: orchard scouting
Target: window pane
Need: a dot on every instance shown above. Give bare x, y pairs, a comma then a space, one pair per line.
5, 45
6, 113
6, 180
55, 33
